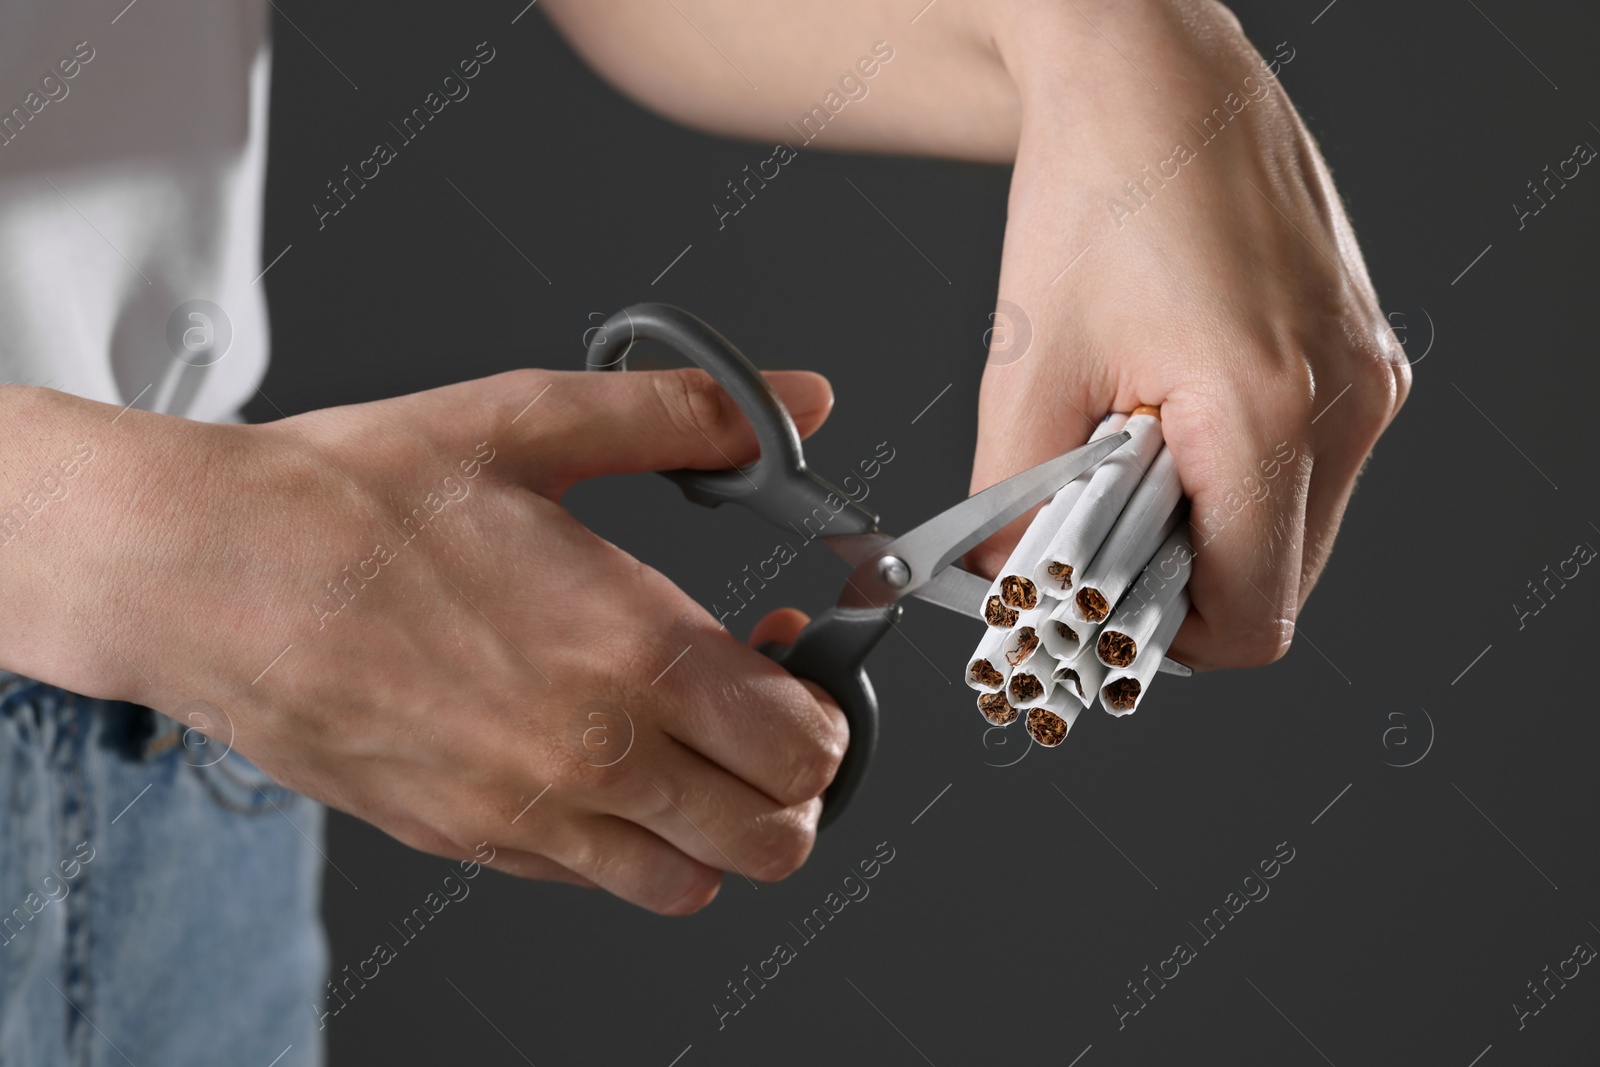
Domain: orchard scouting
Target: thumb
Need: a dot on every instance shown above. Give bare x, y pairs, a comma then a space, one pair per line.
591, 424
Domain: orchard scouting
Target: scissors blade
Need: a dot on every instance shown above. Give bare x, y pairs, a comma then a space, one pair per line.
939, 542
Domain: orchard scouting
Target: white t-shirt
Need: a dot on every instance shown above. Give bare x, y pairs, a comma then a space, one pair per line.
132, 166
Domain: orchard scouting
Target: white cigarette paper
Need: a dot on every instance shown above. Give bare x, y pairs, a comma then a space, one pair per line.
1149, 517
1127, 686
1031, 684
1020, 644
1015, 584
1082, 678
1049, 722
1079, 536
1087, 633
1060, 638
1131, 626
988, 663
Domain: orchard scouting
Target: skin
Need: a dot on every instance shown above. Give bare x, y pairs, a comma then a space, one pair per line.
454, 687
1235, 298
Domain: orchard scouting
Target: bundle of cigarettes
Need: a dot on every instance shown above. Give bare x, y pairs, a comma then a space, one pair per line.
1092, 595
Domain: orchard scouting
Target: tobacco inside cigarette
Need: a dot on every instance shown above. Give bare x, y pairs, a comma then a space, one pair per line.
984, 674
1123, 694
1019, 592
1116, 649
996, 613
1060, 573
1026, 640
997, 709
1093, 604
1026, 687
1046, 727
1059, 639
987, 669
1081, 679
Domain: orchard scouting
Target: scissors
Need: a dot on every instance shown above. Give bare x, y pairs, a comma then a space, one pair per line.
832, 649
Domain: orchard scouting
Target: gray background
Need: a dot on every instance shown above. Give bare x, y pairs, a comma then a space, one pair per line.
1021, 903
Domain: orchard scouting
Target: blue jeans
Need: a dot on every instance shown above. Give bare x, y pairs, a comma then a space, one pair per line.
159, 905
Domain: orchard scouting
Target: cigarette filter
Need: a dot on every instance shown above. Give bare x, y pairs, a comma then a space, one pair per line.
987, 670
1150, 515
1134, 622
1076, 540
1124, 687
1015, 584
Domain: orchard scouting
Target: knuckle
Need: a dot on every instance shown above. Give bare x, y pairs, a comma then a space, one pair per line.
1261, 645
786, 844
814, 763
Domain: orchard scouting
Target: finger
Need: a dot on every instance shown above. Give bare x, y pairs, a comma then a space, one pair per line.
713, 817
630, 862
780, 627
533, 866
749, 716
577, 425
1246, 466
1033, 432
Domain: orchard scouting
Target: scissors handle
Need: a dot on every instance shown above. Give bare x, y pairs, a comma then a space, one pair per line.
778, 486
832, 651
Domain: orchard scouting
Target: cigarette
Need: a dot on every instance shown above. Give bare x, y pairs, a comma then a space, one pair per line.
1140, 611
986, 672
997, 709
1084, 633
1101, 500
1060, 638
1030, 685
996, 614
1015, 585
1021, 643
1081, 678
1149, 517
1124, 687
1049, 722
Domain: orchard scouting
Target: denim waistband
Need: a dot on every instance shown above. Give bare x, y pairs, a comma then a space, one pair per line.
135, 731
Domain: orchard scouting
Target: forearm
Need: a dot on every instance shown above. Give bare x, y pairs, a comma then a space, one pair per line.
73, 508
860, 71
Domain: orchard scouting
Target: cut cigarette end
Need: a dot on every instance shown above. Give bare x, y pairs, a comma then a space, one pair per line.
1068, 677
1046, 727
1116, 649
997, 709
1093, 605
997, 614
1122, 694
984, 673
1027, 639
1060, 573
1025, 687
1019, 592
1066, 632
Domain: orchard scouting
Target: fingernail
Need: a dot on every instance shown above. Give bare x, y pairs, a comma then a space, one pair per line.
802, 392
